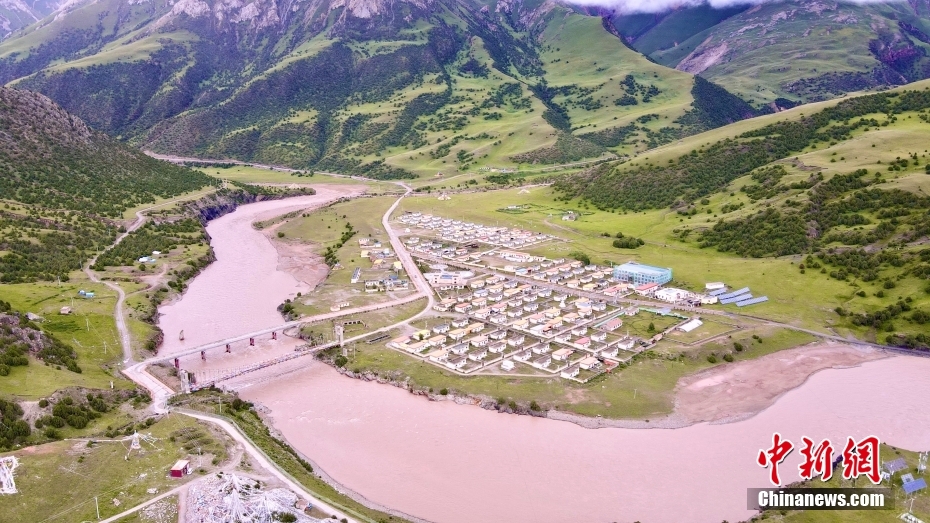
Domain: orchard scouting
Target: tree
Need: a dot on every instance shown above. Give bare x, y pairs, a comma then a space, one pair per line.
582, 257
651, 328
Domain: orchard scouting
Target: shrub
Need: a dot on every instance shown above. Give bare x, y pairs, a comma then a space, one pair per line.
340, 361
582, 257
43, 403
534, 406
712, 359
738, 346
443, 391
51, 433
728, 357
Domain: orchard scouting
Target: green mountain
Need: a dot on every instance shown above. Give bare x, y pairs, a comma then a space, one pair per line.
63, 186
383, 88
792, 51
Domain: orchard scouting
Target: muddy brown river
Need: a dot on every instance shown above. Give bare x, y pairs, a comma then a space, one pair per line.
461, 464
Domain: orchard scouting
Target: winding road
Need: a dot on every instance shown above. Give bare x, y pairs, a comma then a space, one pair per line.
161, 392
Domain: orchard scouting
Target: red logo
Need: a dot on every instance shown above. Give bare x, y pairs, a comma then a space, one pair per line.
858, 459
772, 457
861, 459
816, 460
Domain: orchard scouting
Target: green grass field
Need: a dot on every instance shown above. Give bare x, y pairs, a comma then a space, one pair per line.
58, 482
90, 329
642, 390
779, 279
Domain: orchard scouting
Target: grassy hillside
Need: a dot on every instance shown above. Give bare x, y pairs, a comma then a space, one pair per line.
410, 91
841, 193
650, 33
786, 52
64, 192
63, 185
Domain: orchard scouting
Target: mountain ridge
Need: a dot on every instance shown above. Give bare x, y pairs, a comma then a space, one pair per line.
387, 89
800, 51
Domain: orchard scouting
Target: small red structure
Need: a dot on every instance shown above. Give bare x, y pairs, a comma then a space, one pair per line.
181, 469
251, 341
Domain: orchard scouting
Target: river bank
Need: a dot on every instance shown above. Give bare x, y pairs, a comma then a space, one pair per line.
725, 393
446, 462
240, 291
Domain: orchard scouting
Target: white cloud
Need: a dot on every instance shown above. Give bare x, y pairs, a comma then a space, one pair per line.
658, 6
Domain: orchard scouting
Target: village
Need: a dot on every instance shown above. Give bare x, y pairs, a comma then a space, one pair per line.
504, 310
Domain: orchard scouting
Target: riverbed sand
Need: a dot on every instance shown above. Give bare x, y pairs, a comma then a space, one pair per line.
739, 390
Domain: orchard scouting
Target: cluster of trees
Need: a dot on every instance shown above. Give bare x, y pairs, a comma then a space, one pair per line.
708, 169
766, 233
47, 246
13, 429
766, 185
627, 242
151, 237
74, 414
505, 178
881, 319
632, 89
19, 337
329, 256
567, 148
837, 202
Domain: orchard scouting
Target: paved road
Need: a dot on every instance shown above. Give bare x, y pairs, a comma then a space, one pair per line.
161, 392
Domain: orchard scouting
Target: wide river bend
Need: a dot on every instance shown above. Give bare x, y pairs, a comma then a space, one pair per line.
461, 464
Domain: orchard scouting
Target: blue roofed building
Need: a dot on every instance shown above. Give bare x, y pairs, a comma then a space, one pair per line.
639, 274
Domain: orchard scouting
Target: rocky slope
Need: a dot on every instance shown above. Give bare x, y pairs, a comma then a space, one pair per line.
17, 14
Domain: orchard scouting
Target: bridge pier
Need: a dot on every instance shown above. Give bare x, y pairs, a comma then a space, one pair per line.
227, 348
203, 355
274, 335
251, 342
